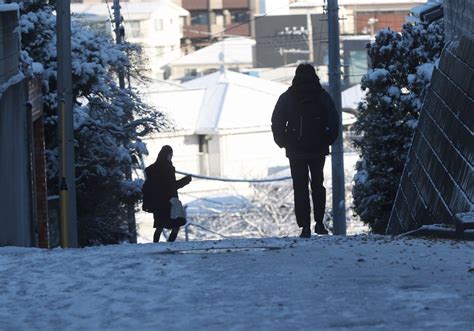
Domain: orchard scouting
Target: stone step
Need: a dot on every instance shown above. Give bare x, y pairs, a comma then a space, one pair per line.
464, 221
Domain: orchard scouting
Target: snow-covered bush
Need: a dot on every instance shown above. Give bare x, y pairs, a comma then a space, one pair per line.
400, 69
108, 122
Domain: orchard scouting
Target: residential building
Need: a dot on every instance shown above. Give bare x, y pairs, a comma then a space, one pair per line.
156, 25
362, 16
232, 53
222, 124
211, 19
284, 40
222, 129
285, 37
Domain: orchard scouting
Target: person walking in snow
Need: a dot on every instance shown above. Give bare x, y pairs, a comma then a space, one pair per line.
305, 122
160, 195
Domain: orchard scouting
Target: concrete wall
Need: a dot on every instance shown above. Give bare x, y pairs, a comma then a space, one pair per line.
15, 172
458, 18
15, 184
438, 180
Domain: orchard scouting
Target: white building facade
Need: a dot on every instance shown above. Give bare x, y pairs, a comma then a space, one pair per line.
156, 25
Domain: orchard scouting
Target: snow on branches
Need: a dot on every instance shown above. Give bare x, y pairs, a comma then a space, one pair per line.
401, 65
109, 122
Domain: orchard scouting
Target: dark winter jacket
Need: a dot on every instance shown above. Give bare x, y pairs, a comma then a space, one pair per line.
288, 123
161, 185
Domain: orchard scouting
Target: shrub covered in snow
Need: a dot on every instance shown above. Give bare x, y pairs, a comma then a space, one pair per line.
108, 122
400, 69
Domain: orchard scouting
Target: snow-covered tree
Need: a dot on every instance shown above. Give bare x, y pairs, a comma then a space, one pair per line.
400, 69
109, 122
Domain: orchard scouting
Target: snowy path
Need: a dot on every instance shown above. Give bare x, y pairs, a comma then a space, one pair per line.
355, 283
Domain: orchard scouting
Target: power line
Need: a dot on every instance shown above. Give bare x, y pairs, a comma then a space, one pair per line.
129, 19
228, 29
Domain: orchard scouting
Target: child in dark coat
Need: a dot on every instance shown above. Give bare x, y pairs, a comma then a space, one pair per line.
161, 185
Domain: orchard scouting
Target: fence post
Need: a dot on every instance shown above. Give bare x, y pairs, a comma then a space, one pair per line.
186, 232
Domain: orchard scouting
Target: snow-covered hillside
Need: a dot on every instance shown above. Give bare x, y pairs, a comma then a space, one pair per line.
357, 283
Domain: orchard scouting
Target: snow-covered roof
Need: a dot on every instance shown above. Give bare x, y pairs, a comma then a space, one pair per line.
180, 105
235, 50
132, 9
221, 100
233, 100
230, 100
9, 7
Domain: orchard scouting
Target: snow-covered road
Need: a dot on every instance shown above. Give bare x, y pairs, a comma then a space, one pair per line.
357, 283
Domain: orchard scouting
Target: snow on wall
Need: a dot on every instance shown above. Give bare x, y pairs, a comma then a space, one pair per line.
13, 80
9, 7
438, 180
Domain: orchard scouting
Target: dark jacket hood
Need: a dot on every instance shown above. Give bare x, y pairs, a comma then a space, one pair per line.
306, 82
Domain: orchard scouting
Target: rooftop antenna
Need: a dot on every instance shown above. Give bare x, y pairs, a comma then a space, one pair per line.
222, 56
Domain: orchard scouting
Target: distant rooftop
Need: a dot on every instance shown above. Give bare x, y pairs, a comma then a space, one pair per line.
236, 51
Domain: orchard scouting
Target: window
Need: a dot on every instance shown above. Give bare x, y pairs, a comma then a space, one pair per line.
357, 66
158, 25
199, 18
190, 72
132, 28
239, 16
160, 51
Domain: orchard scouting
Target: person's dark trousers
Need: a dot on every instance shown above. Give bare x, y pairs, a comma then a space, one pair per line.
300, 169
157, 234
173, 234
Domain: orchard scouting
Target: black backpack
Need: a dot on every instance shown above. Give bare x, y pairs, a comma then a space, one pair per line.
307, 127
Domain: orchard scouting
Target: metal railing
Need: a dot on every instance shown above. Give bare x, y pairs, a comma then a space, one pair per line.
188, 224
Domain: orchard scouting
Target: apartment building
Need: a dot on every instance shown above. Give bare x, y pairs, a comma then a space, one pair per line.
156, 25
362, 16
208, 18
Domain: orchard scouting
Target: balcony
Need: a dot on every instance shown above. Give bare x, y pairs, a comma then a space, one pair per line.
235, 4
196, 31
238, 29
195, 4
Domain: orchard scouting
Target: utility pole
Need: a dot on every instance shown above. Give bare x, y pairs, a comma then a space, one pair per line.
67, 171
337, 151
119, 33
119, 37
309, 25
